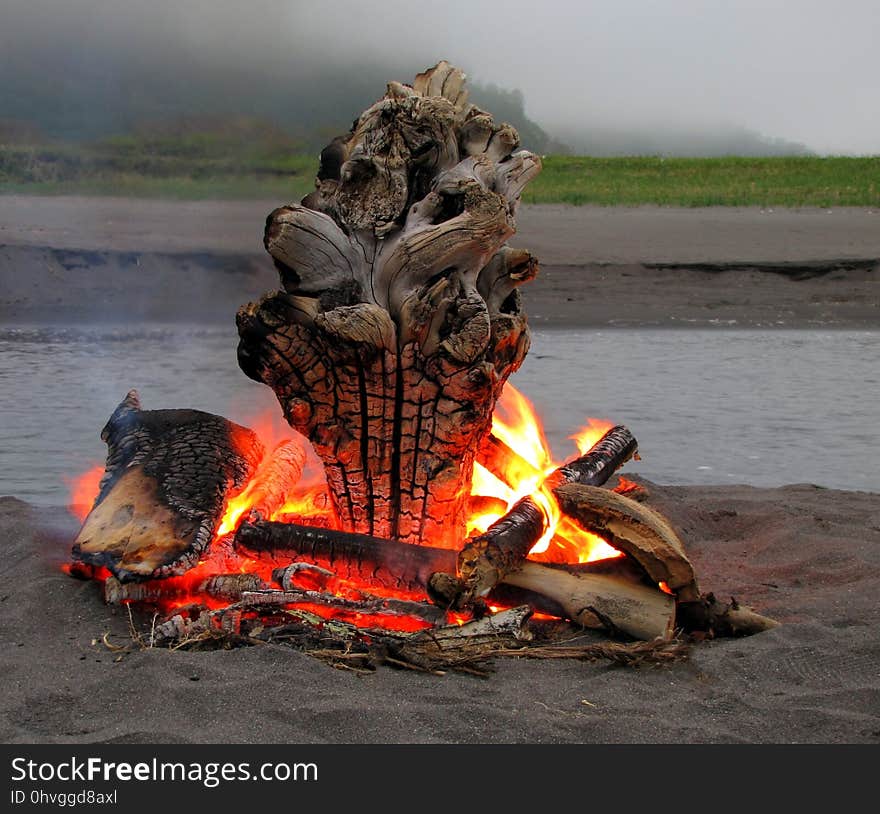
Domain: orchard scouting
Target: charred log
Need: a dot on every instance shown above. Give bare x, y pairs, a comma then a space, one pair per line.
168, 476
605, 457
486, 558
593, 594
373, 561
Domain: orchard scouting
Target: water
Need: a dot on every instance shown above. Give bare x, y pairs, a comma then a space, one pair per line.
759, 407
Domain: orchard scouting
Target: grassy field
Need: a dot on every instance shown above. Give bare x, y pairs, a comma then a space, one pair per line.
801, 181
203, 168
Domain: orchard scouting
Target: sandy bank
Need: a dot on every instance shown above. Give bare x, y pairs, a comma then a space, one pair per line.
117, 259
808, 556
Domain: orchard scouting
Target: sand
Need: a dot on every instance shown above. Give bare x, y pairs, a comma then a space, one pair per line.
73, 259
808, 556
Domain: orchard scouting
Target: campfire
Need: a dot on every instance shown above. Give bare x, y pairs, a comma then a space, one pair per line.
417, 516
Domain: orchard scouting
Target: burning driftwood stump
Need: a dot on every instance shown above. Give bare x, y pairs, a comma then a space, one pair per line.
388, 348
399, 319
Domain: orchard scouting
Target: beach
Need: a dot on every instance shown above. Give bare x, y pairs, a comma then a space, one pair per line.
804, 555
600, 266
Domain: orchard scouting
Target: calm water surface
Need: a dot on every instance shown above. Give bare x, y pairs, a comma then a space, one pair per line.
759, 407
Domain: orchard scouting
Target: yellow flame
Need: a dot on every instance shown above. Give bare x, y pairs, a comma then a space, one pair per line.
516, 424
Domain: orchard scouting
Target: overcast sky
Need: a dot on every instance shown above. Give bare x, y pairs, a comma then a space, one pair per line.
795, 69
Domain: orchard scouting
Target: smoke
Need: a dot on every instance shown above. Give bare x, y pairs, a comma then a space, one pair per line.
802, 71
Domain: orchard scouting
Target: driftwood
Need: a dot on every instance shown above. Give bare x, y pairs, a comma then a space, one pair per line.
384, 608
618, 603
592, 594
167, 478
636, 530
486, 558
715, 618
398, 321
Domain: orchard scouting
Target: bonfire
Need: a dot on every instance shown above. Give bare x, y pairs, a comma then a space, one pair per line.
417, 516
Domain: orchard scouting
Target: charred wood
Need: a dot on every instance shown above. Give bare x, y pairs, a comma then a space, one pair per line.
487, 557
399, 320
167, 478
603, 595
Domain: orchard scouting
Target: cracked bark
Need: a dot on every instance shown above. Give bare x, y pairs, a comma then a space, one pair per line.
166, 481
398, 320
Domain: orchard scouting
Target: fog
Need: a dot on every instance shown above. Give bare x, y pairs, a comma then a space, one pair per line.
792, 70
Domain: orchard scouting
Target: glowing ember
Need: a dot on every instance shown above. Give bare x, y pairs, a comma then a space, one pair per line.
625, 486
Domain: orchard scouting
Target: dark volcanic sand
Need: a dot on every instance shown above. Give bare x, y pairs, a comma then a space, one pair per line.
807, 556
116, 259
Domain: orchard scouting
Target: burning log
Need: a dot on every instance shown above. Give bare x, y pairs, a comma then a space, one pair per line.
634, 529
275, 480
373, 561
486, 558
168, 476
500, 459
399, 320
592, 594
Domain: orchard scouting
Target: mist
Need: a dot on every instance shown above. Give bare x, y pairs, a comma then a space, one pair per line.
602, 76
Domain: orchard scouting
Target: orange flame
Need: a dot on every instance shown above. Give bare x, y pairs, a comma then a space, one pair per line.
524, 473
516, 424
82, 491
587, 436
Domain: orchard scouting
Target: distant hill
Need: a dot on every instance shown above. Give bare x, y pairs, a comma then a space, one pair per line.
77, 97
107, 95
695, 142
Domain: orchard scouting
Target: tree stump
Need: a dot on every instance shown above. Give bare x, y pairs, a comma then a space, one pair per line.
399, 318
